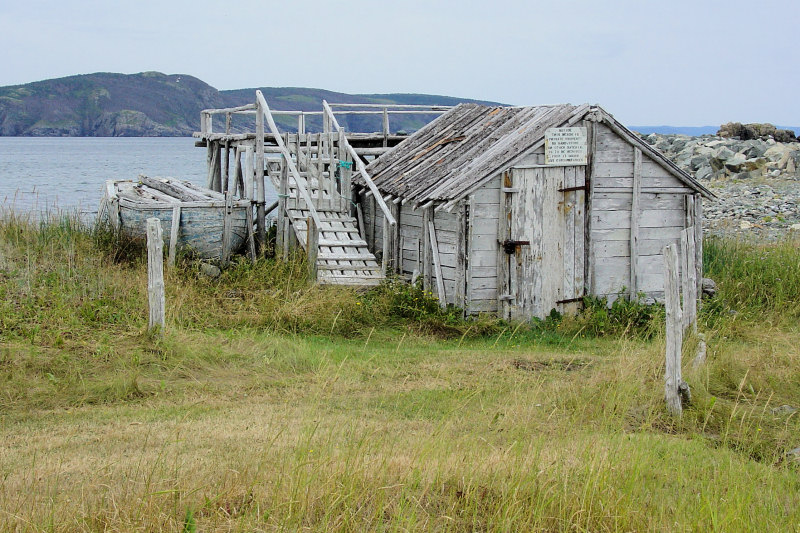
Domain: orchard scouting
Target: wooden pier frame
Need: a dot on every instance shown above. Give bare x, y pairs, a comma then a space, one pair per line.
313, 173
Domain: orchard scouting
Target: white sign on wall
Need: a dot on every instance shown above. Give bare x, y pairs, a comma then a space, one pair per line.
565, 146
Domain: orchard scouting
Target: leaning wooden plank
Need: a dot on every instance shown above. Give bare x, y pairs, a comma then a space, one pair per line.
251, 243
426, 250
437, 265
688, 282
173, 235
265, 112
227, 228
360, 167
698, 236
312, 247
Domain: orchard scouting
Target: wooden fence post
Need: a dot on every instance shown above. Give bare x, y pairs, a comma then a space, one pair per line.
674, 330
312, 247
155, 274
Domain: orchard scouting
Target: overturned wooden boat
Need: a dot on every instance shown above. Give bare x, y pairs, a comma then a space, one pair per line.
193, 218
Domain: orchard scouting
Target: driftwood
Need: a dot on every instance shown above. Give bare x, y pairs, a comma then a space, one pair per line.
181, 193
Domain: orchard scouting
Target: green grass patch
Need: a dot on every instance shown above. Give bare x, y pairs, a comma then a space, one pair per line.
270, 403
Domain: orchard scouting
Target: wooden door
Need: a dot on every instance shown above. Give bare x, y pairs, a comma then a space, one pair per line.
543, 228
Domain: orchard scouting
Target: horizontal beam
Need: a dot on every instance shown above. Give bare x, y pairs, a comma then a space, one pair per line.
396, 106
229, 109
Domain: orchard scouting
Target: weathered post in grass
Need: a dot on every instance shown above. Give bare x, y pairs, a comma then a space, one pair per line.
155, 274
674, 330
312, 247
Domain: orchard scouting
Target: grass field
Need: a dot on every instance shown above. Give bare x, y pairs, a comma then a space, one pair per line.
269, 404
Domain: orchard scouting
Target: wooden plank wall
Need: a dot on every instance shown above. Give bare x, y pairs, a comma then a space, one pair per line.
473, 236
662, 214
412, 241
482, 250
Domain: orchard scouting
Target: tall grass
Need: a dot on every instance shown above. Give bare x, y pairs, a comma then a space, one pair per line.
759, 281
274, 404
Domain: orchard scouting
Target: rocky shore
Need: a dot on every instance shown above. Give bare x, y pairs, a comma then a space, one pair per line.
756, 180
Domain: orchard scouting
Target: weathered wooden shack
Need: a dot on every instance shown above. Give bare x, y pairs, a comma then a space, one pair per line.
522, 210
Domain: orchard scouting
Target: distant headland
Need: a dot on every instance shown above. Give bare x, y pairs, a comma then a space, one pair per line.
153, 104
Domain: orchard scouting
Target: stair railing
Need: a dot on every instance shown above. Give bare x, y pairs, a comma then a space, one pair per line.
388, 220
314, 222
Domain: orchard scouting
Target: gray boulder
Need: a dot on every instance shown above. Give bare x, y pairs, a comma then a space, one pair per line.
210, 271
784, 410
704, 172
709, 287
735, 162
699, 161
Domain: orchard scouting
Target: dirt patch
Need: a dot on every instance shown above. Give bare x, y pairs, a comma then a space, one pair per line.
567, 365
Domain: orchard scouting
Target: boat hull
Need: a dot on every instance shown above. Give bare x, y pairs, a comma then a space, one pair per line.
201, 224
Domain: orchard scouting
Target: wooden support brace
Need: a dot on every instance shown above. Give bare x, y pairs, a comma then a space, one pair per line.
312, 247
426, 251
437, 265
173, 235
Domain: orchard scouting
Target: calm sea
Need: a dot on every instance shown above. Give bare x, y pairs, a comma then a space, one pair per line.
41, 174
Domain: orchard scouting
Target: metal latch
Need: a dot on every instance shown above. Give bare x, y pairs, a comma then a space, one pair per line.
510, 246
584, 187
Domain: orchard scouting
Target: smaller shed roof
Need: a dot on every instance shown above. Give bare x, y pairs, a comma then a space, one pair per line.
453, 155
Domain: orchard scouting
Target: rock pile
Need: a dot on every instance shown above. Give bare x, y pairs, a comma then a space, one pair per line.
712, 157
756, 180
756, 131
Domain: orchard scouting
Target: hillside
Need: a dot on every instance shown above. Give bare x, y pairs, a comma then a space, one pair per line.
106, 104
153, 104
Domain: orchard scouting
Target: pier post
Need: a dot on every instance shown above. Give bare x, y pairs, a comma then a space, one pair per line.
261, 227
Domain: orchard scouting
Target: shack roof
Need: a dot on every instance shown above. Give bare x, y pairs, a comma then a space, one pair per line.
462, 149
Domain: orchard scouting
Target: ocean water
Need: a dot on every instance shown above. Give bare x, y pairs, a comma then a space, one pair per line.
48, 174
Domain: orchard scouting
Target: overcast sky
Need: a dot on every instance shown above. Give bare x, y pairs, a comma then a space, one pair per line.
675, 62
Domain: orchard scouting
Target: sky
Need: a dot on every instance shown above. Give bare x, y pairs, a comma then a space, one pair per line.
675, 62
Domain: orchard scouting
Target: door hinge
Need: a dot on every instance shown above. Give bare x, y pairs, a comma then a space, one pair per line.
570, 300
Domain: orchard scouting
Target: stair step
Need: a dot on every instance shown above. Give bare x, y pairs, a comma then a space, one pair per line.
361, 268
345, 257
354, 281
301, 226
365, 268
337, 242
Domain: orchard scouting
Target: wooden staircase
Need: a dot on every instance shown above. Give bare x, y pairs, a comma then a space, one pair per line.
343, 257
312, 173
313, 180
